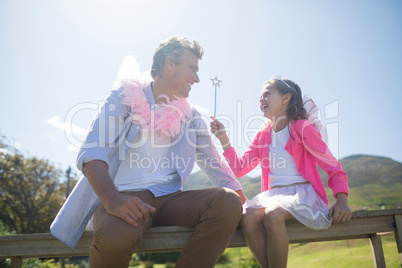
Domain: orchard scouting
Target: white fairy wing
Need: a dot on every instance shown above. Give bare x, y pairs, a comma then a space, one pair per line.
314, 115
130, 69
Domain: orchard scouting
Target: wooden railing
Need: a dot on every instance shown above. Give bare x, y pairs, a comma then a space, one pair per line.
364, 224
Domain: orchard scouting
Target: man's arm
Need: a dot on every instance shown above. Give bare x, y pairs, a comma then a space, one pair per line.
93, 161
130, 209
209, 160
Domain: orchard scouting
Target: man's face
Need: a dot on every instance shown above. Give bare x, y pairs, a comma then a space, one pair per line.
184, 75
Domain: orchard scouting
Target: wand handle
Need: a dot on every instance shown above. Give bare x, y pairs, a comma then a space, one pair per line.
215, 103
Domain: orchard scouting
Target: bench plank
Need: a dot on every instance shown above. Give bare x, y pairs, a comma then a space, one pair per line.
172, 238
41, 246
355, 228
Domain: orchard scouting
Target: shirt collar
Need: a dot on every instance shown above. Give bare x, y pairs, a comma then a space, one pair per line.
148, 93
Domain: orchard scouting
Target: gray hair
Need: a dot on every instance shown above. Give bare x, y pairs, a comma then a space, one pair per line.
174, 48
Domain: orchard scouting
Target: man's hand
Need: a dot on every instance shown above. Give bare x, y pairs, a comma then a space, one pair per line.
129, 208
340, 212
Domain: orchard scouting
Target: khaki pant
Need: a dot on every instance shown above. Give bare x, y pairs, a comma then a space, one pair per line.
214, 213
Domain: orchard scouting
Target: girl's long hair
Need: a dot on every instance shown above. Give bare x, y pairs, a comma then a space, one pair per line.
295, 110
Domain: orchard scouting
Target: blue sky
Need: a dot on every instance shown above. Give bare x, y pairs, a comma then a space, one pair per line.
59, 60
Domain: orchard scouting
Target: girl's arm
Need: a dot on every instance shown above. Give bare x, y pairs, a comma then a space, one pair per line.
337, 178
318, 149
218, 129
240, 166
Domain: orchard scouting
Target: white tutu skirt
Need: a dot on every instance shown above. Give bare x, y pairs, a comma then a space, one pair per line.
300, 200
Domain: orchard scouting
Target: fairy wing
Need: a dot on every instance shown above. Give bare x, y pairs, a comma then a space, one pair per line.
313, 115
130, 69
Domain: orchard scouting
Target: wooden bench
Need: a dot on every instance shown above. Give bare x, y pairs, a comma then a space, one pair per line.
364, 224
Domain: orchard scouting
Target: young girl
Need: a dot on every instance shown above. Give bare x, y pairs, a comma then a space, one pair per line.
288, 150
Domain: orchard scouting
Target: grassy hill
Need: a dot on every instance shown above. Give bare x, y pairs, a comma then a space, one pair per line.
374, 182
368, 169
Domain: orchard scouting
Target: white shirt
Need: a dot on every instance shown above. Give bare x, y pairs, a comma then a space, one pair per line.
146, 164
281, 163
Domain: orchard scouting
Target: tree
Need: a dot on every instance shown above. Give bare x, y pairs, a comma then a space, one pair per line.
30, 191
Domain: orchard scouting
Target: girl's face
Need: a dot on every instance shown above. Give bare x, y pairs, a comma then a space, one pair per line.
272, 103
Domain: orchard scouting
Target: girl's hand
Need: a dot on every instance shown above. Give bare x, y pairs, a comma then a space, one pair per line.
218, 129
340, 212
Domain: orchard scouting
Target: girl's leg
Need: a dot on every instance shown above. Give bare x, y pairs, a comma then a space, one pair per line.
255, 234
277, 236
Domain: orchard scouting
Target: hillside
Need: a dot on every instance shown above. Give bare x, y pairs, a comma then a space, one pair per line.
374, 182
368, 169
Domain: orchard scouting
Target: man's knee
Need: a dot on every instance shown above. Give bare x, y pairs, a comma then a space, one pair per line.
233, 199
228, 202
112, 234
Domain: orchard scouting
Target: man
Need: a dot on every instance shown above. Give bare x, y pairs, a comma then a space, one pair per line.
139, 150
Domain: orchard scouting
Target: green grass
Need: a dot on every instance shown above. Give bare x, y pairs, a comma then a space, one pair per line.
349, 253
345, 253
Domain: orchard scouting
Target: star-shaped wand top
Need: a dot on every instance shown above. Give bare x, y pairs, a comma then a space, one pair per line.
215, 81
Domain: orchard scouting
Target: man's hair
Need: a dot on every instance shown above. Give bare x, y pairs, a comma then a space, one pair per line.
174, 48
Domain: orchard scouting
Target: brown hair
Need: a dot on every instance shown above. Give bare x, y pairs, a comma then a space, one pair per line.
173, 48
295, 110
